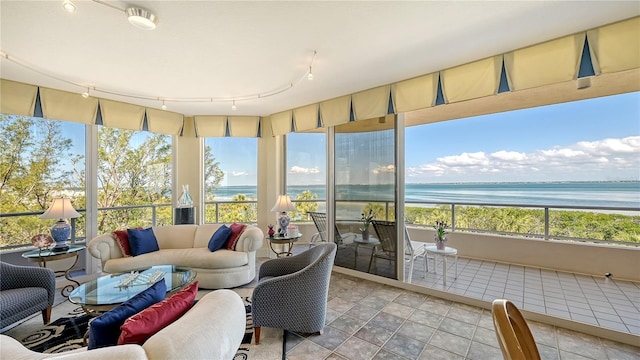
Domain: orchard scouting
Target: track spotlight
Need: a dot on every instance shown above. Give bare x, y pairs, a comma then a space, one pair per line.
85, 94
310, 76
164, 107
69, 6
233, 106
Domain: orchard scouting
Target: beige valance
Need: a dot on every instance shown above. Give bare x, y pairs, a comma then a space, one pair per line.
414, 94
210, 125
306, 117
615, 47
548, 63
281, 123
336, 111
473, 80
121, 115
372, 103
164, 122
243, 126
68, 106
17, 98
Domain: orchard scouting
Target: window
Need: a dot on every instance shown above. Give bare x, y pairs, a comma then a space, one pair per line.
576, 154
40, 159
231, 174
364, 181
134, 179
306, 173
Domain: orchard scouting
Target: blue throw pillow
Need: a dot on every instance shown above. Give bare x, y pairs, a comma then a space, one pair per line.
219, 238
142, 241
105, 329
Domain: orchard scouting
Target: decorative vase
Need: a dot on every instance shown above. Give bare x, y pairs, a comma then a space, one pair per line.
271, 231
440, 242
185, 199
365, 235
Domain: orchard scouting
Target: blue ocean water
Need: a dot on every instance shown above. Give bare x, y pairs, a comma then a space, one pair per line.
596, 194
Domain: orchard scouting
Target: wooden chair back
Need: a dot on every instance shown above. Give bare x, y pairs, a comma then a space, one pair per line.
512, 331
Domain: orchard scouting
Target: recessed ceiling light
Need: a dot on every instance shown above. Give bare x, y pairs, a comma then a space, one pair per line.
141, 18
69, 6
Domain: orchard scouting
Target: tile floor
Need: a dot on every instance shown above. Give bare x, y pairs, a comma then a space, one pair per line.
600, 301
367, 320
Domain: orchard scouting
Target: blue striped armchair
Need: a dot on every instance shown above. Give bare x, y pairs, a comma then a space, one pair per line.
25, 290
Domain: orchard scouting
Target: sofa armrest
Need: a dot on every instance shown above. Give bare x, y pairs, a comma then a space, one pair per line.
104, 247
213, 329
251, 239
11, 348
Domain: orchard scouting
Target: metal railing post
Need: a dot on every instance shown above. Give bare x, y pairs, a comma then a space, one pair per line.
546, 223
153, 215
453, 217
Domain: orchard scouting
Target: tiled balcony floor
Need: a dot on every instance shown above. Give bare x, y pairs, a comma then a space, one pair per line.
608, 303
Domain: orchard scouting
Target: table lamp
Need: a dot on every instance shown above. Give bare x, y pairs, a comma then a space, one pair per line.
283, 204
60, 209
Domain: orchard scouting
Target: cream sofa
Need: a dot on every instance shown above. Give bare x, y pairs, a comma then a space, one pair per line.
212, 329
186, 245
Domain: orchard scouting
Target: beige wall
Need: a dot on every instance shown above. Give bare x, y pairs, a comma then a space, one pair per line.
591, 259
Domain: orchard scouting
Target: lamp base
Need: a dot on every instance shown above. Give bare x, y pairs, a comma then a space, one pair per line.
283, 221
60, 232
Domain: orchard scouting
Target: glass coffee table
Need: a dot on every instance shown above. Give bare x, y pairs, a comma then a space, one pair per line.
106, 292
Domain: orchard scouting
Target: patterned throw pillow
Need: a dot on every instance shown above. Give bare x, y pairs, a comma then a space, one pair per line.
105, 329
142, 241
143, 325
122, 239
236, 231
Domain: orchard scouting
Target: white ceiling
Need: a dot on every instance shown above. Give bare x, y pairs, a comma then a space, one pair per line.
231, 49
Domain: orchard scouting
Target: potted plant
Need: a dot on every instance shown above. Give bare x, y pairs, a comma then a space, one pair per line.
441, 235
366, 221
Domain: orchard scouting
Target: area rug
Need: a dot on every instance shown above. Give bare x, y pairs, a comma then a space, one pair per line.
67, 332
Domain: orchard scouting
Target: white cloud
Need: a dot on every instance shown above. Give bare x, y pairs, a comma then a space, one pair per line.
239, 173
509, 155
302, 170
384, 169
586, 160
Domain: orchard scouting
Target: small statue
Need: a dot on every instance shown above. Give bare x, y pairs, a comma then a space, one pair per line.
271, 231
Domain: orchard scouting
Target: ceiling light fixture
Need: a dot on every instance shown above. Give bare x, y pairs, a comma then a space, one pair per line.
310, 76
69, 6
164, 107
141, 18
212, 99
86, 94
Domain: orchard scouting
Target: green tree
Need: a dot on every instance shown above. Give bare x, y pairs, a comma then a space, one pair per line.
30, 173
131, 174
243, 211
303, 207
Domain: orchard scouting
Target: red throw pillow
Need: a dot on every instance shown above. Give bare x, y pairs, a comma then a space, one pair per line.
143, 325
122, 239
236, 231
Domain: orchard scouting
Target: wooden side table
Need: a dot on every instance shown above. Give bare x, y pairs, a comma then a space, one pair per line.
42, 256
283, 240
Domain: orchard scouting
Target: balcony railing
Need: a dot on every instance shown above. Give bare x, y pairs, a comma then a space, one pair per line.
462, 216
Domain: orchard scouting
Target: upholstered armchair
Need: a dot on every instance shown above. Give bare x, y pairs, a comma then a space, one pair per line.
25, 290
292, 292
